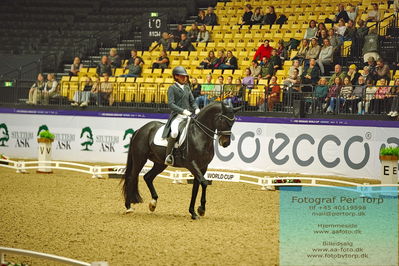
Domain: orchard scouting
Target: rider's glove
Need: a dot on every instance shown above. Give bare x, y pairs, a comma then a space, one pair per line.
197, 111
186, 112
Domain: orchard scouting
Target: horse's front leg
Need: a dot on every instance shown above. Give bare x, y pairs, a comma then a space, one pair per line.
198, 179
201, 208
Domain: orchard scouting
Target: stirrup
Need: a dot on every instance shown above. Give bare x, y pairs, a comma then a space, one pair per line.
170, 160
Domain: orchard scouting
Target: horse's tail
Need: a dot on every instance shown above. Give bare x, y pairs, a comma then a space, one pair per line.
130, 183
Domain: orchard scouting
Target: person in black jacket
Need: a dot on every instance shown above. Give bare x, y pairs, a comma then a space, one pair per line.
210, 17
178, 32
230, 63
185, 44
104, 67
270, 17
311, 74
246, 18
341, 14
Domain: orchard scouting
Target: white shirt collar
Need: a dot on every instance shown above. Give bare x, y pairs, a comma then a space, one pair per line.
181, 86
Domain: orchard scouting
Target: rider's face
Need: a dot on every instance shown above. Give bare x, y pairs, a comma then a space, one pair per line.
181, 79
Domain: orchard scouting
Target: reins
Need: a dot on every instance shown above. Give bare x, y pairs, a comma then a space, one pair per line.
211, 133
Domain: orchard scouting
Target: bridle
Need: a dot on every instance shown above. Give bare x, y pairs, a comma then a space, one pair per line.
211, 133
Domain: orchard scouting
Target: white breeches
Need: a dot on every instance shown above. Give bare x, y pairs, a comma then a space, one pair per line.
174, 127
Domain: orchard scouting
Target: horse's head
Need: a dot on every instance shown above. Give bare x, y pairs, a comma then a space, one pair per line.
224, 122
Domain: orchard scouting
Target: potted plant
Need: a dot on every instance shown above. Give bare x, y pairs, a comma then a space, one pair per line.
288, 181
389, 165
45, 141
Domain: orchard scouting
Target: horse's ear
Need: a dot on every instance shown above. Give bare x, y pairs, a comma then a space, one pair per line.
237, 109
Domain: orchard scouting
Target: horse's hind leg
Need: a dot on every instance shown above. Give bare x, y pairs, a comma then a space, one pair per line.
138, 162
149, 178
201, 208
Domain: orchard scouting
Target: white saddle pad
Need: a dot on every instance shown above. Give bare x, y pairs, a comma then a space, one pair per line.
159, 141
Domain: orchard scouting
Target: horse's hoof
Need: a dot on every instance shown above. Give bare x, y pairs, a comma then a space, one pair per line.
130, 210
201, 211
152, 205
194, 217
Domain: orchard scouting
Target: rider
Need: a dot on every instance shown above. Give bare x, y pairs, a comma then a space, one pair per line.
180, 101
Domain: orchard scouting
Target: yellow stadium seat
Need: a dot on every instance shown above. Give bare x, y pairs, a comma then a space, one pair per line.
119, 71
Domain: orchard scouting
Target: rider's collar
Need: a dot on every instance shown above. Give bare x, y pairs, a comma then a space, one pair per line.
180, 85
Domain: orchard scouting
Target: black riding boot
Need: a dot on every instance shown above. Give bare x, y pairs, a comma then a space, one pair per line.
169, 150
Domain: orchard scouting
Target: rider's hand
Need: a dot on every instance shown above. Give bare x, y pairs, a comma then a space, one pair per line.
186, 112
197, 111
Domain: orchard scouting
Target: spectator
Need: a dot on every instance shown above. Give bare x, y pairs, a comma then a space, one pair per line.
114, 59
372, 66
76, 67
275, 60
357, 95
248, 81
320, 27
311, 31
383, 71
341, 14
350, 32
323, 35
353, 74
273, 95
293, 80
162, 62
263, 50
379, 102
362, 31
82, 97
133, 56
221, 59
255, 68
229, 92
366, 75
210, 17
35, 91
209, 62
374, 14
346, 92
201, 17
134, 70
104, 67
311, 74
257, 17
165, 41
333, 95
313, 51
95, 89
50, 89
325, 56
105, 92
292, 88
282, 51
178, 32
334, 40
230, 63
218, 90
364, 106
353, 12
266, 69
203, 34
370, 47
295, 65
394, 110
320, 94
185, 44
302, 51
206, 90
337, 73
270, 16
193, 32
195, 88
340, 30
246, 18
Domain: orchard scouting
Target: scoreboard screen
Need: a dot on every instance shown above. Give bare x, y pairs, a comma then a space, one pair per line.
154, 23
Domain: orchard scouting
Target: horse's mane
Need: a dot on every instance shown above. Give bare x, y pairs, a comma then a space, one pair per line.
212, 105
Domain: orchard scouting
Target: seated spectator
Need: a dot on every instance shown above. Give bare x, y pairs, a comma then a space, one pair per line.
206, 90
353, 12
337, 73
209, 62
273, 94
229, 92
295, 65
293, 80
311, 31
325, 56
363, 106
162, 62
333, 95
282, 51
366, 74
342, 14
185, 44
270, 16
334, 40
201, 17
313, 51
320, 27
248, 81
75, 67
193, 32
370, 46
195, 88
394, 107
340, 30
323, 35
257, 17
203, 34
303, 49
346, 93
350, 32
292, 88
383, 71
210, 17
246, 17
133, 56
374, 14
264, 50
82, 97
357, 95
221, 59
105, 92
95, 89
104, 67
230, 63
379, 102
178, 32
266, 69
372, 69
50, 89
114, 59
311, 74
255, 68
36, 90
320, 94
134, 70
275, 60
165, 41
353, 74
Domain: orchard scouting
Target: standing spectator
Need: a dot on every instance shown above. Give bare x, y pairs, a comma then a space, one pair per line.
338, 73
323, 35
353, 74
210, 17
82, 97
185, 44
162, 62
206, 90
104, 67
105, 92
320, 94
325, 56
370, 46
165, 41
340, 30
114, 59
379, 101
255, 68
203, 34
357, 95
334, 40
178, 32
311, 31
134, 70
346, 92
50, 89
209, 62
270, 16
257, 17
35, 91
248, 81
273, 95
292, 88
394, 110
374, 14
263, 50
195, 88
221, 59
246, 17
75, 67
311, 74
350, 32
383, 71
230, 63
313, 51
133, 56
353, 12
193, 32
201, 17
361, 33
295, 65
302, 51
333, 95
282, 51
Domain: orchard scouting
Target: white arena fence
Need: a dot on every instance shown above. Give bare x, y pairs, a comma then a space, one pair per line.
177, 176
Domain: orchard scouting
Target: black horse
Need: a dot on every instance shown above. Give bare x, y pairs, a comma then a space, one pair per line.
214, 119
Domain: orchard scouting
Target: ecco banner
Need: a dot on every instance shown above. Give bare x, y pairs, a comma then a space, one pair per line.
278, 145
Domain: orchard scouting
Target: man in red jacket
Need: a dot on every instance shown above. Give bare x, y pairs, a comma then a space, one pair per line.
265, 50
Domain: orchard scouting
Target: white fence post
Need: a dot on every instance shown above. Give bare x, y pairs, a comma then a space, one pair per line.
96, 171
